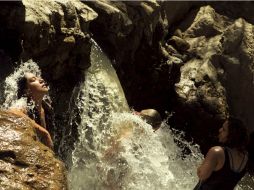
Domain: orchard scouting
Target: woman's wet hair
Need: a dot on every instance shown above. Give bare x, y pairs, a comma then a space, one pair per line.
237, 134
22, 86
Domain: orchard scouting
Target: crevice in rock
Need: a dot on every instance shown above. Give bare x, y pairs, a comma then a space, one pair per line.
21, 164
7, 154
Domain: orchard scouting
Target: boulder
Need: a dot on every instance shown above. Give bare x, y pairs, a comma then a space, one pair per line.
124, 24
59, 40
26, 163
217, 80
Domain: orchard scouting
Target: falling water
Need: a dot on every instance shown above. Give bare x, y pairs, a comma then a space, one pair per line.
118, 150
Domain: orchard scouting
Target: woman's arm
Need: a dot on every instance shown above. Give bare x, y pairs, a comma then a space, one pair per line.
39, 129
44, 134
212, 162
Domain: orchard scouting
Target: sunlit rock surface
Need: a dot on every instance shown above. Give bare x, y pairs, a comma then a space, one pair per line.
58, 29
25, 163
218, 78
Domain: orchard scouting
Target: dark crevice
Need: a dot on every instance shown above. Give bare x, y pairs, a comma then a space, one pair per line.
7, 154
21, 164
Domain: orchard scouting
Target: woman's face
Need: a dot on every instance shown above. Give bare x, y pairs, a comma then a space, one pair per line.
35, 85
223, 132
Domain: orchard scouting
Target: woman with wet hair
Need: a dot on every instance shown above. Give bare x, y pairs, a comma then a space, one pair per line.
34, 88
224, 166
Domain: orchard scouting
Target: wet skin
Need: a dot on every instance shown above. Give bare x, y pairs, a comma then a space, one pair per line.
36, 86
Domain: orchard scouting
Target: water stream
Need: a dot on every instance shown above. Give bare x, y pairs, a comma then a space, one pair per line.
118, 150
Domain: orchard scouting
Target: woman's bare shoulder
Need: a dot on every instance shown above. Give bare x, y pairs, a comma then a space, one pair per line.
216, 151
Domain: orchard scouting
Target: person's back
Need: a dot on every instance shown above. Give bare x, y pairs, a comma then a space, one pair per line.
227, 177
223, 167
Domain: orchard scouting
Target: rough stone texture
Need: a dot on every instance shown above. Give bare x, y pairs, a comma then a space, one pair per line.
184, 57
25, 163
124, 22
58, 29
210, 45
227, 45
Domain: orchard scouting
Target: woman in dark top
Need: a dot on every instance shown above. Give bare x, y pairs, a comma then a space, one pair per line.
224, 166
34, 89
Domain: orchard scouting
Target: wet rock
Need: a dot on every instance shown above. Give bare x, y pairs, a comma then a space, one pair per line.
179, 43
125, 23
134, 32
25, 163
214, 82
60, 31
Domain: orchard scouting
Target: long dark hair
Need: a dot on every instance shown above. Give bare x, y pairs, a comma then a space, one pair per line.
237, 134
31, 111
22, 86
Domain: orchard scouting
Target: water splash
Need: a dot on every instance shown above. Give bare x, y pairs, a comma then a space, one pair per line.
153, 158
100, 95
11, 88
118, 150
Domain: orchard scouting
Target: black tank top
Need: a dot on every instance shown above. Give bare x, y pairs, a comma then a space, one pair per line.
223, 179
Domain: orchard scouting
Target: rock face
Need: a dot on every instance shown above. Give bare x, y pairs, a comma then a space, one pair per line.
60, 31
218, 79
25, 163
53, 28
193, 59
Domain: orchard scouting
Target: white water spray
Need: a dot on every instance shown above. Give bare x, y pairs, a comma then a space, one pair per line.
11, 88
118, 150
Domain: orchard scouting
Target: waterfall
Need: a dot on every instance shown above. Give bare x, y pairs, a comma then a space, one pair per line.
117, 149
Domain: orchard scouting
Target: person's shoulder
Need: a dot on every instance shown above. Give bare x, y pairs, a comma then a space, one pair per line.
216, 150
